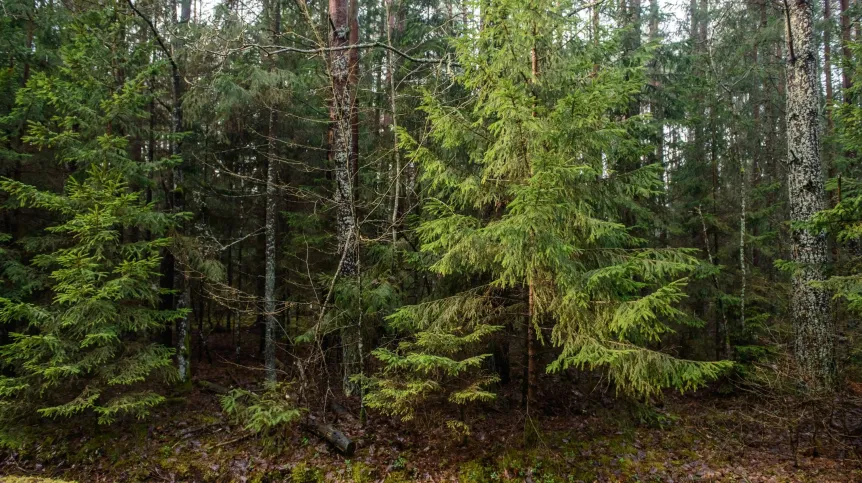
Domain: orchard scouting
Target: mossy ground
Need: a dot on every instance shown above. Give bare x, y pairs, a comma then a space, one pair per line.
708, 444
576, 437
30, 479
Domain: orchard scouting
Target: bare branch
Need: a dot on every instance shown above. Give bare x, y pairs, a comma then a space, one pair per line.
156, 34
366, 45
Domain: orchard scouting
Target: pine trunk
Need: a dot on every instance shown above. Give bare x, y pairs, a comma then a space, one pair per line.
815, 351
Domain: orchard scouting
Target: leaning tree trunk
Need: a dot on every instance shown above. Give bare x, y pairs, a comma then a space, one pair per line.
815, 342
341, 154
269, 288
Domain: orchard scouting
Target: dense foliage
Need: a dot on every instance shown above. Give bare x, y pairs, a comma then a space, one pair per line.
410, 203
84, 312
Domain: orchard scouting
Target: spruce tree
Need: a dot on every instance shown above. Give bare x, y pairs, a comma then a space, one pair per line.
88, 342
84, 343
528, 184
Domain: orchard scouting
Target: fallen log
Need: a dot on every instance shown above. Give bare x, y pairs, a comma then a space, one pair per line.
331, 435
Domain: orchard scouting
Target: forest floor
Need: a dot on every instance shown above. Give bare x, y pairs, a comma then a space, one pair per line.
581, 436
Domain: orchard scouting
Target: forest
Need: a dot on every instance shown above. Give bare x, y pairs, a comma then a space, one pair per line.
430, 240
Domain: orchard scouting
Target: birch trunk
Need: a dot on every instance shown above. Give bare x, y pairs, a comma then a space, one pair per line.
814, 343
342, 156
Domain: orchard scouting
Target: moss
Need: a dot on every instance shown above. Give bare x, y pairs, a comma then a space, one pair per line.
473, 472
31, 479
539, 466
360, 472
138, 475
184, 464
515, 462
209, 419
398, 477
302, 473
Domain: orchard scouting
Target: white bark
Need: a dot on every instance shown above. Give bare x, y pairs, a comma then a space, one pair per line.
815, 340
341, 144
269, 282
184, 342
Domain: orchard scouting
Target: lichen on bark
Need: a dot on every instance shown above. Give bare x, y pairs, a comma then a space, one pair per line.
814, 332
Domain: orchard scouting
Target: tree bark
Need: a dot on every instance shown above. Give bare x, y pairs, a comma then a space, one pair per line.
342, 155
530, 347
827, 60
814, 342
847, 67
353, 82
237, 325
229, 265
331, 435
655, 105
634, 12
183, 332
828, 149
847, 53
759, 159
391, 121
532, 320
271, 213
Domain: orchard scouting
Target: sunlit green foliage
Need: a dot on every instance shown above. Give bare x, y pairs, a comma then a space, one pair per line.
82, 340
530, 183
262, 412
